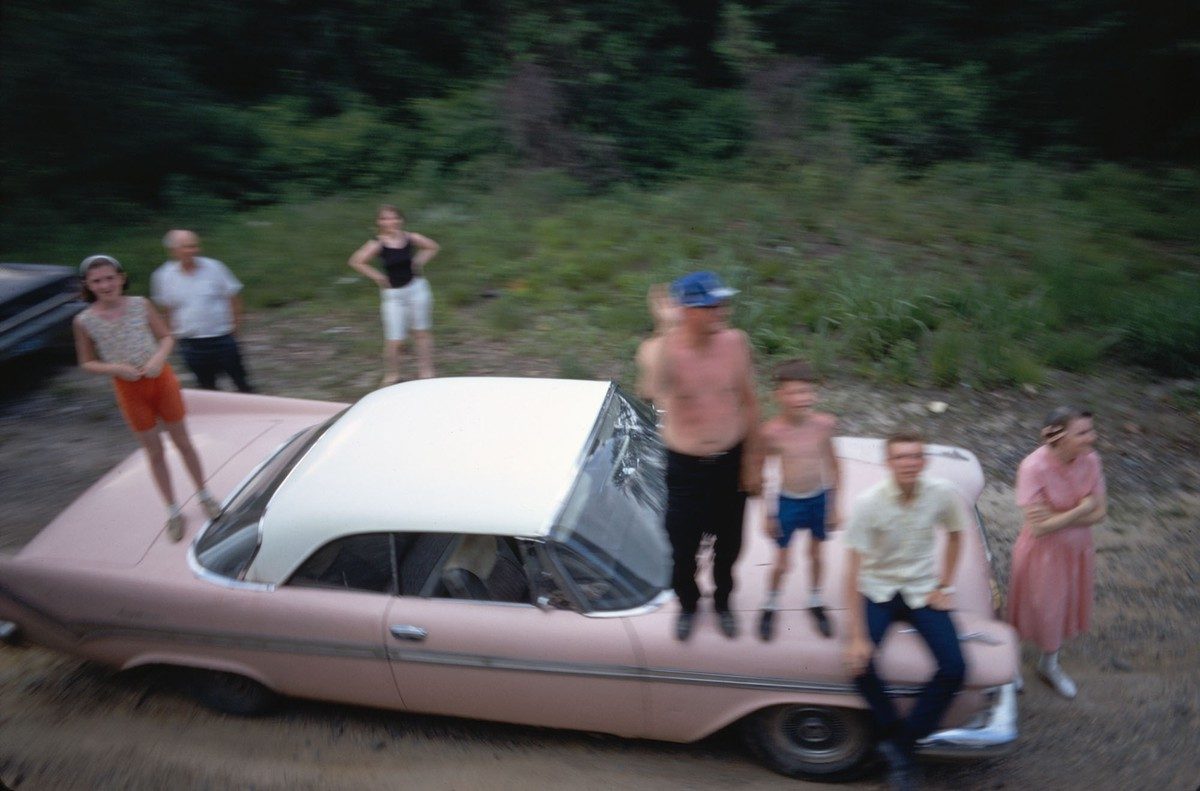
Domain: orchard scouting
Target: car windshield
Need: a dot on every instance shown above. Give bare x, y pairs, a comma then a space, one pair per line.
231, 541
611, 524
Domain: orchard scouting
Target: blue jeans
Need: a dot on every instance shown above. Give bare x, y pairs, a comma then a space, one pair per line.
207, 357
937, 630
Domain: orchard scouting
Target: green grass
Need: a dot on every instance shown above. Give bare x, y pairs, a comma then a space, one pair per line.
988, 273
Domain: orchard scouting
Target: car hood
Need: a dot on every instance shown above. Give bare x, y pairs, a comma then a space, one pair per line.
120, 521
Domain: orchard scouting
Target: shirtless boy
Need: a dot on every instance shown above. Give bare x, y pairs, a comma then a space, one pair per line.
665, 313
802, 438
704, 382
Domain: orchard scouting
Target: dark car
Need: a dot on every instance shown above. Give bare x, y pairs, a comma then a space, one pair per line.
37, 303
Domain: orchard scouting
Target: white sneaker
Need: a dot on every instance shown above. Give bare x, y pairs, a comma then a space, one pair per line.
175, 526
212, 509
1056, 678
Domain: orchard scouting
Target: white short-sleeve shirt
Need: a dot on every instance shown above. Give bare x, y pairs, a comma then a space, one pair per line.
199, 301
895, 540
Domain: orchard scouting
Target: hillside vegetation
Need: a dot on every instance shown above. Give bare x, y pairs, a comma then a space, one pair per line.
987, 273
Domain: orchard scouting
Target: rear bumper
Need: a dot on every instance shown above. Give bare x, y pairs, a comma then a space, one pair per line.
993, 733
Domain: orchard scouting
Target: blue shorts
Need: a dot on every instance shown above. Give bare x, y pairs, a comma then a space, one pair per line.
807, 513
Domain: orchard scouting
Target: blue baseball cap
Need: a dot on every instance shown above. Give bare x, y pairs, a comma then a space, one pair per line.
701, 290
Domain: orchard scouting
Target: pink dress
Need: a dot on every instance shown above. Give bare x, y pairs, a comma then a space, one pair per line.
1050, 591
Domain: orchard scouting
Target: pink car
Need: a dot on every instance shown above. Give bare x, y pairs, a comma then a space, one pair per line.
487, 548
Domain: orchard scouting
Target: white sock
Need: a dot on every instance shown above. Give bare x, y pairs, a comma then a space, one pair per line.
1049, 660
203, 492
772, 602
814, 598
172, 509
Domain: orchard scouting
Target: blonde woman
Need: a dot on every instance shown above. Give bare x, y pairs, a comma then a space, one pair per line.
405, 297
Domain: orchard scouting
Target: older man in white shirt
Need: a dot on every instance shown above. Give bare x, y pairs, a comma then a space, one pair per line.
892, 574
202, 301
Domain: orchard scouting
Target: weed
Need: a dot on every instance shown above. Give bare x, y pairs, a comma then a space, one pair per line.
950, 347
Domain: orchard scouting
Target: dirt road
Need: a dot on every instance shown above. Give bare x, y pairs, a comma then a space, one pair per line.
65, 724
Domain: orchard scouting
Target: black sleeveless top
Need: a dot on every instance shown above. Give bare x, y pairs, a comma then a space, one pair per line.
397, 262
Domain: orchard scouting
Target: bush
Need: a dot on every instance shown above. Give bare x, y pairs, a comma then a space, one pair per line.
873, 318
1077, 352
917, 112
1161, 329
947, 358
355, 148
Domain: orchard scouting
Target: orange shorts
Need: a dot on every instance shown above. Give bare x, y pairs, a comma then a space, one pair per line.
144, 401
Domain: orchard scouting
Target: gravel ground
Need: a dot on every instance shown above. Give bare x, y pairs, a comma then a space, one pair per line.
1135, 725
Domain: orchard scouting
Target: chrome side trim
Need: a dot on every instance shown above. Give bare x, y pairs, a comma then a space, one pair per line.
658, 601
624, 672
999, 717
979, 637
995, 735
220, 579
240, 641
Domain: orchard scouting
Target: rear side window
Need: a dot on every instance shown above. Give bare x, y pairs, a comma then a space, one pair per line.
395, 563
365, 562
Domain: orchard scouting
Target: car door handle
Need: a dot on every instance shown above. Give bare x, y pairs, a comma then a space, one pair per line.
409, 632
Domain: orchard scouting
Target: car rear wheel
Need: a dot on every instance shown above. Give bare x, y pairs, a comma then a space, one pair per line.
231, 693
811, 742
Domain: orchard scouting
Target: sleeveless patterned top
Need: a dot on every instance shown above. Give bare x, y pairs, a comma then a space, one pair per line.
127, 339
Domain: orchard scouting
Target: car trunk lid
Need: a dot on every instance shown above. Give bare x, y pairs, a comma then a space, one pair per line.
117, 521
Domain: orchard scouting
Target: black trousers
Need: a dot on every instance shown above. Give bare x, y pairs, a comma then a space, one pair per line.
207, 357
704, 497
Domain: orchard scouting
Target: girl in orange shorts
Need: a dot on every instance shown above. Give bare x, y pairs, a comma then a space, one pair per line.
125, 338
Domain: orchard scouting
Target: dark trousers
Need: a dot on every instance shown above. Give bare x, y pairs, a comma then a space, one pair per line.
937, 630
207, 357
704, 498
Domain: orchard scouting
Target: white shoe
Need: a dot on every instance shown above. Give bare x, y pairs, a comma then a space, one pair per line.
212, 509
175, 526
1056, 678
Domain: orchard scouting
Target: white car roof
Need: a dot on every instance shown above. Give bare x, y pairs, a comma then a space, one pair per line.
463, 455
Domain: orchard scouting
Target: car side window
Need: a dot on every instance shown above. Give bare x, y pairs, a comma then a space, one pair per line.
363, 562
484, 568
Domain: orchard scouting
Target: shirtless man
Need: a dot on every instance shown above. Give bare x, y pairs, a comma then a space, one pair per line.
705, 383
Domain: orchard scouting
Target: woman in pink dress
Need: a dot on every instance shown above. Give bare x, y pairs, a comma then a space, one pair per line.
1060, 489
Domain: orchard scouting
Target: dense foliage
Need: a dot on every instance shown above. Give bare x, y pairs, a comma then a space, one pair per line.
146, 101
934, 191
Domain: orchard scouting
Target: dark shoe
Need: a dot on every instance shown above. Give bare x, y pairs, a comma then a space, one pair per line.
727, 623
900, 769
901, 774
818, 613
766, 624
683, 625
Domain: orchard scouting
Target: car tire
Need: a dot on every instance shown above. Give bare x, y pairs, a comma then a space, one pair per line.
823, 743
230, 693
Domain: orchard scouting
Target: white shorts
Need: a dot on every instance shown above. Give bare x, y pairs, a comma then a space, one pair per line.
405, 307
